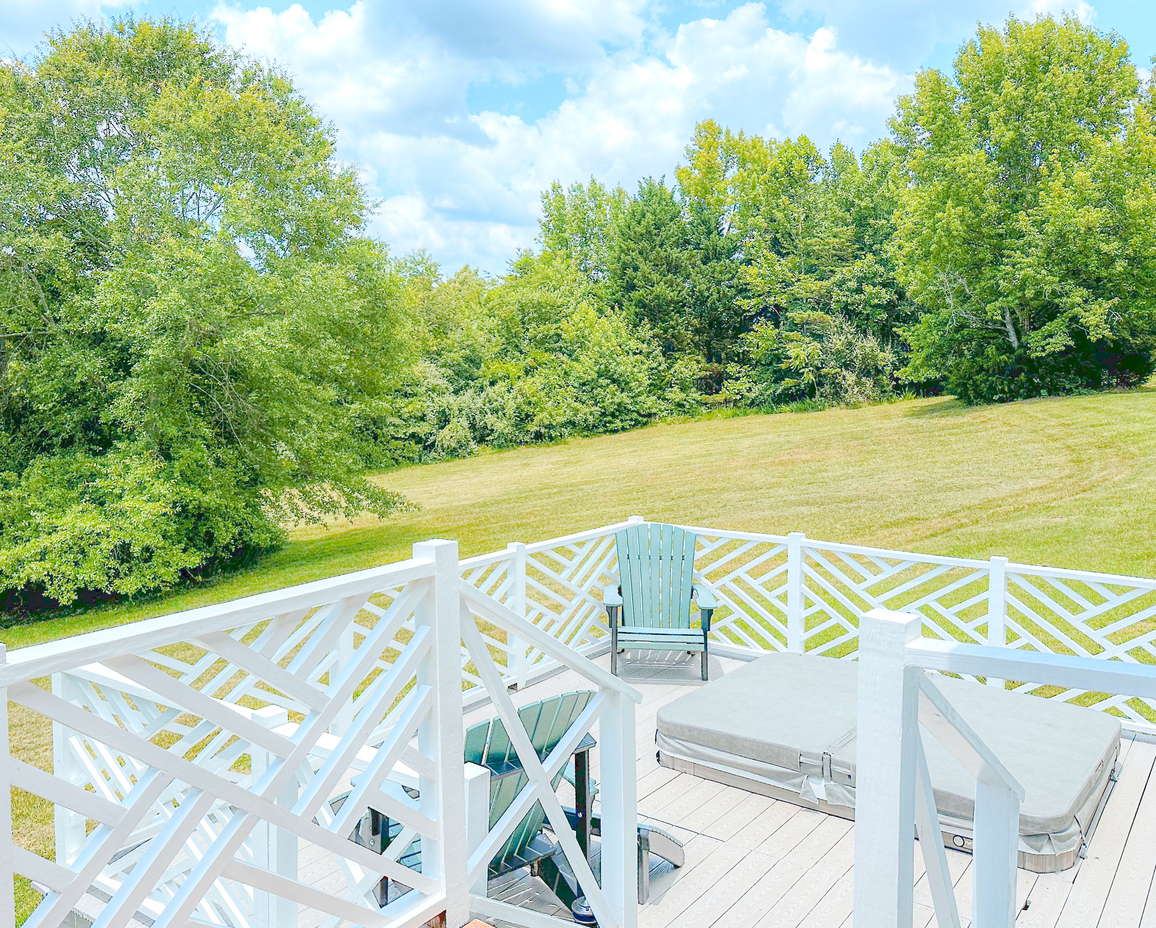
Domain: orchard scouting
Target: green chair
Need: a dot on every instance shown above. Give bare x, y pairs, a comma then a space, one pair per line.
487, 744
649, 608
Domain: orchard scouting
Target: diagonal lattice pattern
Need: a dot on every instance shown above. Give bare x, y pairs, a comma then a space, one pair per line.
206, 763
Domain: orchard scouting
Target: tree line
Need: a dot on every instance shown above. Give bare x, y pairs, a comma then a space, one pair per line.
199, 343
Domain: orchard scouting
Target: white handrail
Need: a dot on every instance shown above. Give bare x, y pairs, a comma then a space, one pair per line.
894, 792
41, 660
1067, 670
892, 788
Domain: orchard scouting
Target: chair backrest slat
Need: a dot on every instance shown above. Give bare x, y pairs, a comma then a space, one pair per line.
489, 744
656, 570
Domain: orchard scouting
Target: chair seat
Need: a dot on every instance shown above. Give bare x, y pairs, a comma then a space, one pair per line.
660, 639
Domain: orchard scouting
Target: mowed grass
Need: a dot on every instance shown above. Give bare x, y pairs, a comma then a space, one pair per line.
1068, 482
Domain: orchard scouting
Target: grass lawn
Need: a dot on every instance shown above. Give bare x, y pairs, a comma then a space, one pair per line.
1067, 482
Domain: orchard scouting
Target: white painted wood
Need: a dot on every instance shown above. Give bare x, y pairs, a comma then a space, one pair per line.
502, 615
943, 721
441, 735
516, 648
345, 623
885, 770
619, 810
477, 817
537, 776
518, 809
931, 844
274, 849
293, 892
1073, 671
514, 914
997, 818
69, 826
45, 659
795, 602
997, 608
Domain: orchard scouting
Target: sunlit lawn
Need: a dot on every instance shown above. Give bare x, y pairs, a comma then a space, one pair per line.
1066, 482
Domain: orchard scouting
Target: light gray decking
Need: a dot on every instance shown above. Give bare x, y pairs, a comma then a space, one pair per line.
754, 862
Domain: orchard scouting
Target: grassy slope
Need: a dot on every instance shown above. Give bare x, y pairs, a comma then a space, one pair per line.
1068, 482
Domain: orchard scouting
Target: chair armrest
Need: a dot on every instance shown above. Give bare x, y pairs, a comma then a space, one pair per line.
611, 596
705, 598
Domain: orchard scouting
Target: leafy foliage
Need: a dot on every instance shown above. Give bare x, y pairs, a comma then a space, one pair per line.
190, 320
1027, 229
199, 345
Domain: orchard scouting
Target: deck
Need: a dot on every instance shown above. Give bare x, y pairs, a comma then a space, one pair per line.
754, 862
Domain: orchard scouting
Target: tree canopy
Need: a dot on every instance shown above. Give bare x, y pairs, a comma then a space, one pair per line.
200, 344
1026, 230
191, 318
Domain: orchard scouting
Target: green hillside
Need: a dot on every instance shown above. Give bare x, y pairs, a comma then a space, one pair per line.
1068, 482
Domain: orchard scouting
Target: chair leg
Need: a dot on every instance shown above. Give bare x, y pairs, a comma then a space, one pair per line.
705, 672
643, 865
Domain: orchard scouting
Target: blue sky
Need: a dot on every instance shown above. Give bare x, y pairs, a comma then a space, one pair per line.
458, 114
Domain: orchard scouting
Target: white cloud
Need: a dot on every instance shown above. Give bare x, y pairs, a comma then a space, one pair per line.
466, 185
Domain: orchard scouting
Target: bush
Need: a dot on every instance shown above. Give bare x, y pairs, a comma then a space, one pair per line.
822, 357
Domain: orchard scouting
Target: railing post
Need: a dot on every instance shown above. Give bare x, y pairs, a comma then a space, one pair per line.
274, 849
795, 623
516, 648
70, 826
7, 893
996, 850
441, 735
477, 817
619, 795
346, 649
888, 723
997, 608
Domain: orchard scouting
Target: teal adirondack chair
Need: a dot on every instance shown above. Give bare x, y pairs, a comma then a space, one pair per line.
649, 609
488, 744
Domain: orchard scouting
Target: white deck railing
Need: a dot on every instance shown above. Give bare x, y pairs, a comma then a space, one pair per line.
195, 755
893, 790
794, 593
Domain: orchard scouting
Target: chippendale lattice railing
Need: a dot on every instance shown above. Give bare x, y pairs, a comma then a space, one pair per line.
794, 593
213, 768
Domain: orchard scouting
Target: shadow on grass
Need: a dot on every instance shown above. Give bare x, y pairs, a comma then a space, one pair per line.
948, 407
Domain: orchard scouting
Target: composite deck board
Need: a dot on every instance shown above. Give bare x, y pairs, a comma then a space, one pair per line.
759, 829
833, 908
754, 868
756, 862
1085, 903
812, 886
732, 823
763, 896
1133, 877
691, 885
1045, 902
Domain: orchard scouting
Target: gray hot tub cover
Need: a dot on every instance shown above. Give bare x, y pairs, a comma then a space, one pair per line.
787, 722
